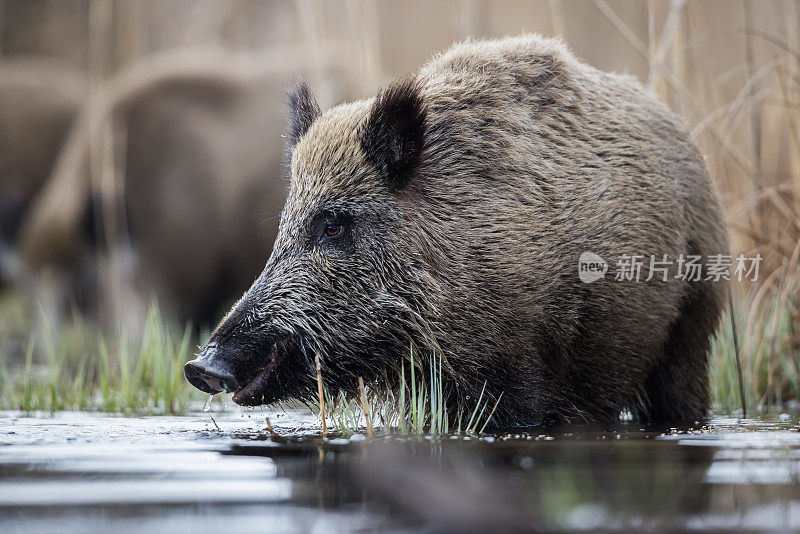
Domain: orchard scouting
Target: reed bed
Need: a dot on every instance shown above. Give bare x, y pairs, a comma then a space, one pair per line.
78, 367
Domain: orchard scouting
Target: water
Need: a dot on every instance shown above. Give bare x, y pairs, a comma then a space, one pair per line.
207, 405
90, 472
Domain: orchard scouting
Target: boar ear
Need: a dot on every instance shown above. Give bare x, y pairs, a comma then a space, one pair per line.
303, 111
394, 133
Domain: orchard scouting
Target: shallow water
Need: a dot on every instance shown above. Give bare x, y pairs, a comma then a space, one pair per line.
90, 472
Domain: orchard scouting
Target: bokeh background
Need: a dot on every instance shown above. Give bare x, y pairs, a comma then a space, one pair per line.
142, 161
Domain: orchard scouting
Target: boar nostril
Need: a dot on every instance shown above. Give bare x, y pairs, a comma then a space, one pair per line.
207, 379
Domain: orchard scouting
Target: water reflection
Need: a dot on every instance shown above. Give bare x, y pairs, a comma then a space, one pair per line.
178, 473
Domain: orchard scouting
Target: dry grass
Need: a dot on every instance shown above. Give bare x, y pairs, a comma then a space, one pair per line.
747, 122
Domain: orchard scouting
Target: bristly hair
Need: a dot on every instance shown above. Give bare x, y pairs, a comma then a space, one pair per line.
394, 133
303, 111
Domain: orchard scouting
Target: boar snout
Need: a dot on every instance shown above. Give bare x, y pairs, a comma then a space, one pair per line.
211, 372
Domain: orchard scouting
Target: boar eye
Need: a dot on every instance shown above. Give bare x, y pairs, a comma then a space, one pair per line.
333, 230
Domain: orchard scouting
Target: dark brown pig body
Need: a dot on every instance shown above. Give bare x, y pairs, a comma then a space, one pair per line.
449, 213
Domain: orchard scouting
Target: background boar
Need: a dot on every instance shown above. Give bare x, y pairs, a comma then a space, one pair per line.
38, 102
177, 170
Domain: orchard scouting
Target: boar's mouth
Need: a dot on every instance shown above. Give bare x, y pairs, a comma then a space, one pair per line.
254, 392
254, 380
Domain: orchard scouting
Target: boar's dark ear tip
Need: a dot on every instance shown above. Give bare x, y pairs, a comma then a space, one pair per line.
394, 133
303, 111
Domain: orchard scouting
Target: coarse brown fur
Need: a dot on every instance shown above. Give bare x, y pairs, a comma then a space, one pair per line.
467, 245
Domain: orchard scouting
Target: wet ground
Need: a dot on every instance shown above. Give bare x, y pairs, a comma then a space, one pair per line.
89, 472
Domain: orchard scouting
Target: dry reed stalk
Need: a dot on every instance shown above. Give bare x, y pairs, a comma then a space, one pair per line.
757, 221
270, 430
737, 356
365, 44
466, 16
750, 332
658, 51
651, 45
364, 406
675, 83
321, 397
557, 18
